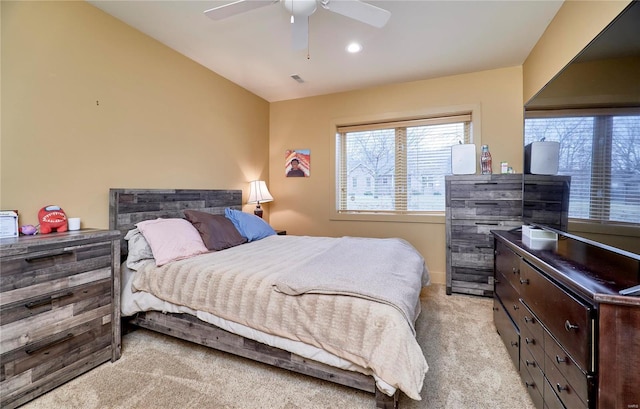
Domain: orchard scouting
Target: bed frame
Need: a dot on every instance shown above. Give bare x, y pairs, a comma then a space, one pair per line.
130, 206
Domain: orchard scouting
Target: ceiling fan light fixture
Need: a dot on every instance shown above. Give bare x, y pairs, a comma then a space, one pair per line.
300, 8
354, 48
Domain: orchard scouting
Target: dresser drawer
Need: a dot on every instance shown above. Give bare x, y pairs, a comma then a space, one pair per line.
485, 187
25, 274
507, 263
534, 371
507, 331
533, 344
534, 388
564, 316
564, 364
532, 324
551, 400
562, 388
486, 210
509, 297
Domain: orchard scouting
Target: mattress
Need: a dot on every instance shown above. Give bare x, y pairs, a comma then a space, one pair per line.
232, 289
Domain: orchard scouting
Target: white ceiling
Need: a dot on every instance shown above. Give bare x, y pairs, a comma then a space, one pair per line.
423, 39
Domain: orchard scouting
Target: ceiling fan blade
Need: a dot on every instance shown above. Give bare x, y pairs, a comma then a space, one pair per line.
300, 33
358, 10
237, 7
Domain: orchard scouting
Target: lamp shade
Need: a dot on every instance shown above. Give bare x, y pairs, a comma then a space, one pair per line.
258, 192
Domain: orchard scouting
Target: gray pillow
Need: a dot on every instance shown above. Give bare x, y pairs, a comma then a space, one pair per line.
138, 251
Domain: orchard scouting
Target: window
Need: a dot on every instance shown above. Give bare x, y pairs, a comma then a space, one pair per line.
402, 164
600, 150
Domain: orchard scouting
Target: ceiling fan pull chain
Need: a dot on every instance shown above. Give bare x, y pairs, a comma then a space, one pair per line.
308, 42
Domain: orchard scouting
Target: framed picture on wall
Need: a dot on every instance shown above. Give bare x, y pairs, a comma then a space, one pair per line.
297, 163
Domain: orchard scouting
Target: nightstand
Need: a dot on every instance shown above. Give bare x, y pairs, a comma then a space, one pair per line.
281, 232
60, 308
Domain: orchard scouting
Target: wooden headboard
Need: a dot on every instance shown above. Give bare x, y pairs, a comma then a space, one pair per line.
130, 206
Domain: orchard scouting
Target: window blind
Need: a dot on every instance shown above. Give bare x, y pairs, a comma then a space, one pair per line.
399, 166
600, 150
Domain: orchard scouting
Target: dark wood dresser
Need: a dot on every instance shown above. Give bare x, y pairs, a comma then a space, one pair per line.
574, 339
59, 309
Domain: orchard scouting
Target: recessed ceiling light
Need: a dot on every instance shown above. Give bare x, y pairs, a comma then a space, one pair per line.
354, 48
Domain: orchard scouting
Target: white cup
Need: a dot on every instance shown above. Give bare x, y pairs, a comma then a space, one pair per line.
73, 223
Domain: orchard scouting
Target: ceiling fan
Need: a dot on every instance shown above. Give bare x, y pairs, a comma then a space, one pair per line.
300, 10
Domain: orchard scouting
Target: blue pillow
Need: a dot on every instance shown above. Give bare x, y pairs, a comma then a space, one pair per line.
250, 226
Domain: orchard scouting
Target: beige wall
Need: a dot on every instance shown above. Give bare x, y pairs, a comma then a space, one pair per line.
303, 206
89, 103
574, 26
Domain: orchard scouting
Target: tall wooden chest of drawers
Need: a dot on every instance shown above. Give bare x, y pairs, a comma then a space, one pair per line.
475, 205
59, 309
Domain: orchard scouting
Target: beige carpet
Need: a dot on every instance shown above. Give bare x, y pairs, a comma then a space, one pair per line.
469, 368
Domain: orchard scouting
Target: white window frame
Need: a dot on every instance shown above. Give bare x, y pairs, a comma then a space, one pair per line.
428, 217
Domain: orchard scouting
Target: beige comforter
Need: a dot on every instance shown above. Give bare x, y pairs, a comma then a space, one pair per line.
237, 284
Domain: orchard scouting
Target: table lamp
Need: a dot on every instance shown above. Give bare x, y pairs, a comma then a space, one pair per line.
258, 193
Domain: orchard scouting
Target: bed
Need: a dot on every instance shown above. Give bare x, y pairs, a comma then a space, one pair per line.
250, 299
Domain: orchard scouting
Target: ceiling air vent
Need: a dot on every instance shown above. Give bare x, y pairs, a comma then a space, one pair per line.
297, 78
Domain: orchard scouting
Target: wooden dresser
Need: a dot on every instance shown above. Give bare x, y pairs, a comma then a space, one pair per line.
575, 341
59, 309
477, 204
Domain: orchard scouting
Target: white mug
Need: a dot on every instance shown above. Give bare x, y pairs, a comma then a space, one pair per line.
73, 223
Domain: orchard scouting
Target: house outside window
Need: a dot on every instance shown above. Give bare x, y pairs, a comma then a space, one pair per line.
600, 150
402, 164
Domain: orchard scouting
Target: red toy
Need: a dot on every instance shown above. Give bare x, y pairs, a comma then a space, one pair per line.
52, 218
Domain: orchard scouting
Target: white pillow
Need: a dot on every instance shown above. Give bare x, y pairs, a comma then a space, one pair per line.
171, 239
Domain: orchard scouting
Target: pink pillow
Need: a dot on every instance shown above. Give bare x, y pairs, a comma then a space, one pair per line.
171, 239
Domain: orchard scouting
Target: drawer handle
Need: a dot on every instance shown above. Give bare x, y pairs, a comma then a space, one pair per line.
485, 183
530, 363
50, 344
525, 281
530, 341
560, 360
515, 307
527, 319
515, 270
569, 326
514, 343
487, 224
561, 388
47, 300
530, 384
50, 255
